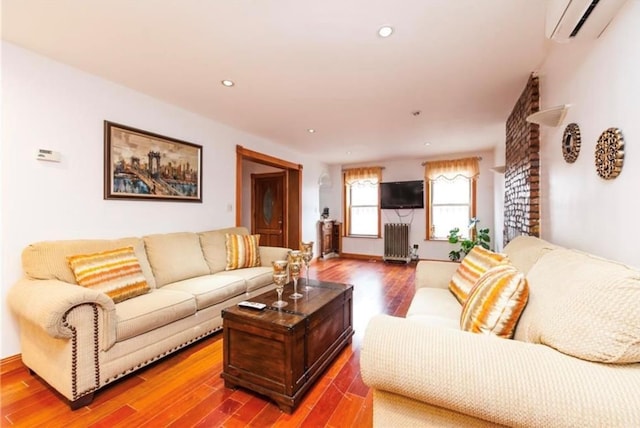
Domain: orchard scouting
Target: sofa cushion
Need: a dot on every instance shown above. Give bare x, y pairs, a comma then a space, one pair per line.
175, 256
117, 273
524, 251
151, 311
48, 259
495, 302
436, 307
255, 278
213, 244
437, 302
210, 289
243, 251
477, 262
583, 306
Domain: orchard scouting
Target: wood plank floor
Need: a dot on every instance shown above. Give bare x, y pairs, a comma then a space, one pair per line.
185, 389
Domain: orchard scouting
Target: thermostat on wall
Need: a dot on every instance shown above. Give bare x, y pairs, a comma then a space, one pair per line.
48, 155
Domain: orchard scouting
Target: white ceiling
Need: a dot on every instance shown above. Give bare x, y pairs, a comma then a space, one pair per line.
302, 64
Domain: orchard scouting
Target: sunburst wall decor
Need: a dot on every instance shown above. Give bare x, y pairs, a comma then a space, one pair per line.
610, 154
571, 143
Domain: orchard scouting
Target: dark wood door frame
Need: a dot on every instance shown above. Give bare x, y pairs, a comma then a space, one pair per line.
292, 192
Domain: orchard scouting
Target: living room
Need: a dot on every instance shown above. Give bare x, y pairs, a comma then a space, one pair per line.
50, 104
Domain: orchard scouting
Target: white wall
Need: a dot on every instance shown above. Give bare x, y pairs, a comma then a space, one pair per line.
499, 156
331, 192
50, 105
412, 169
600, 79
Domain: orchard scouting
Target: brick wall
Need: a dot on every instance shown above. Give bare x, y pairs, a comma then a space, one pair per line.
522, 174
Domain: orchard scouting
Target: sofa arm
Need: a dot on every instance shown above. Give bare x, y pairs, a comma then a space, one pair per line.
270, 254
499, 380
45, 303
435, 274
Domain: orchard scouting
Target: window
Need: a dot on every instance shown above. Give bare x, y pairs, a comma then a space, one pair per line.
451, 195
361, 201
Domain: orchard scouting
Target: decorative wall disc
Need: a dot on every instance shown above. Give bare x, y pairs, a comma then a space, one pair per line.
610, 153
571, 142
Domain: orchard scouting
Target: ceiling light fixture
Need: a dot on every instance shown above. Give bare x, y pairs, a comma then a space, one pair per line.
228, 83
427, 144
311, 130
385, 31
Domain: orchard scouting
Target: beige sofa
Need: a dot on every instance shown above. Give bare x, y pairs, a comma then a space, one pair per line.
573, 360
78, 340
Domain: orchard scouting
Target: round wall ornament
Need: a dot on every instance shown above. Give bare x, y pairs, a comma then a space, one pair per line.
571, 142
610, 153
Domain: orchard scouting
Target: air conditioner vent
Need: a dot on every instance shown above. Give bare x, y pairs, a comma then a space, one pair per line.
584, 19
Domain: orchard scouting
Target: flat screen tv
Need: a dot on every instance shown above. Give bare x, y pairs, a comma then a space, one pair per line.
402, 194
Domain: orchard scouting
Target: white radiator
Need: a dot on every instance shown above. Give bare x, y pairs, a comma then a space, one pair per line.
396, 242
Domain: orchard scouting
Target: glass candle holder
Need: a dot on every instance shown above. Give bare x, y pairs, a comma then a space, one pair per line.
280, 278
307, 255
280, 266
295, 262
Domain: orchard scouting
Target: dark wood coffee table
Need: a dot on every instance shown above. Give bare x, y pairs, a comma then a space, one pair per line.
281, 352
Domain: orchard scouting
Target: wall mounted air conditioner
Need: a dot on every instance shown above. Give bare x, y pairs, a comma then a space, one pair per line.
579, 19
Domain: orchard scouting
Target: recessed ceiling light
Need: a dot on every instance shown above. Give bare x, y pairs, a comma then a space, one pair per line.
349, 152
427, 144
385, 31
228, 83
311, 130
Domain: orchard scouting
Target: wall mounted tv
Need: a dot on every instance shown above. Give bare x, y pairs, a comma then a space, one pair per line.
402, 194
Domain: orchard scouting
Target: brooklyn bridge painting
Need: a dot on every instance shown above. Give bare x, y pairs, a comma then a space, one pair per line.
143, 165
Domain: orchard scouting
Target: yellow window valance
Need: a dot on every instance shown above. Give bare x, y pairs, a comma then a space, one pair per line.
371, 174
451, 169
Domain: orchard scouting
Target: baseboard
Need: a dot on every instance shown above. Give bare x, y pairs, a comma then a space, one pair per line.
11, 363
361, 257
379, 258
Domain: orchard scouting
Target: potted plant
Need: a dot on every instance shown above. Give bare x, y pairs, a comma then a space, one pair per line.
476, 237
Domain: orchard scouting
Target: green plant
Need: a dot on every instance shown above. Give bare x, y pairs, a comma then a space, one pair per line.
476, 237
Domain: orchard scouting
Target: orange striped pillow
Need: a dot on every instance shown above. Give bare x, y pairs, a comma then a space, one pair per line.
243, 251
496, 302
117, 273
477, 262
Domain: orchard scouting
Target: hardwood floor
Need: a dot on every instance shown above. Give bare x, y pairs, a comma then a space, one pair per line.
185, 389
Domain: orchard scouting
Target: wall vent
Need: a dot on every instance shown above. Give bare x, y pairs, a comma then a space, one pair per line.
583, 19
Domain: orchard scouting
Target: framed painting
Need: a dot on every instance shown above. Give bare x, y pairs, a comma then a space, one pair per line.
142, 165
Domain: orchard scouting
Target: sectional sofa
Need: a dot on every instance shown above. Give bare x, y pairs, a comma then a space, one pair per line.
574, 359
78, 339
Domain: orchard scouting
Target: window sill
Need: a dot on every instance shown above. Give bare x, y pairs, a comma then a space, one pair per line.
362, 236
445, 240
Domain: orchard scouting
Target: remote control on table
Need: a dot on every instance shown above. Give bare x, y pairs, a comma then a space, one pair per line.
252, 305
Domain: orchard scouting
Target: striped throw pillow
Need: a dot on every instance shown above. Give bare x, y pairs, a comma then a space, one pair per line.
117, 273
496, 302
477, 262
243, 251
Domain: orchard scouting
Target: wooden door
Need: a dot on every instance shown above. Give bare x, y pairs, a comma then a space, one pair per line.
267, 208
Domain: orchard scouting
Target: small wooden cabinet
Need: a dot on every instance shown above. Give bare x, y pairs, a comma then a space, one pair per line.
329, 233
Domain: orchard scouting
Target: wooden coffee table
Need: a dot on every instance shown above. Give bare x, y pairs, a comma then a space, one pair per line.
281, 352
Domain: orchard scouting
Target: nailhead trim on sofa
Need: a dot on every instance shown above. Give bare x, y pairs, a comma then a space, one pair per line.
74, 354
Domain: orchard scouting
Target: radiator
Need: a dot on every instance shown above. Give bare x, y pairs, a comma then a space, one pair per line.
396, 242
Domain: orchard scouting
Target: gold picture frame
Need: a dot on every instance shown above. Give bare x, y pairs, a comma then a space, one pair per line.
145, 166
